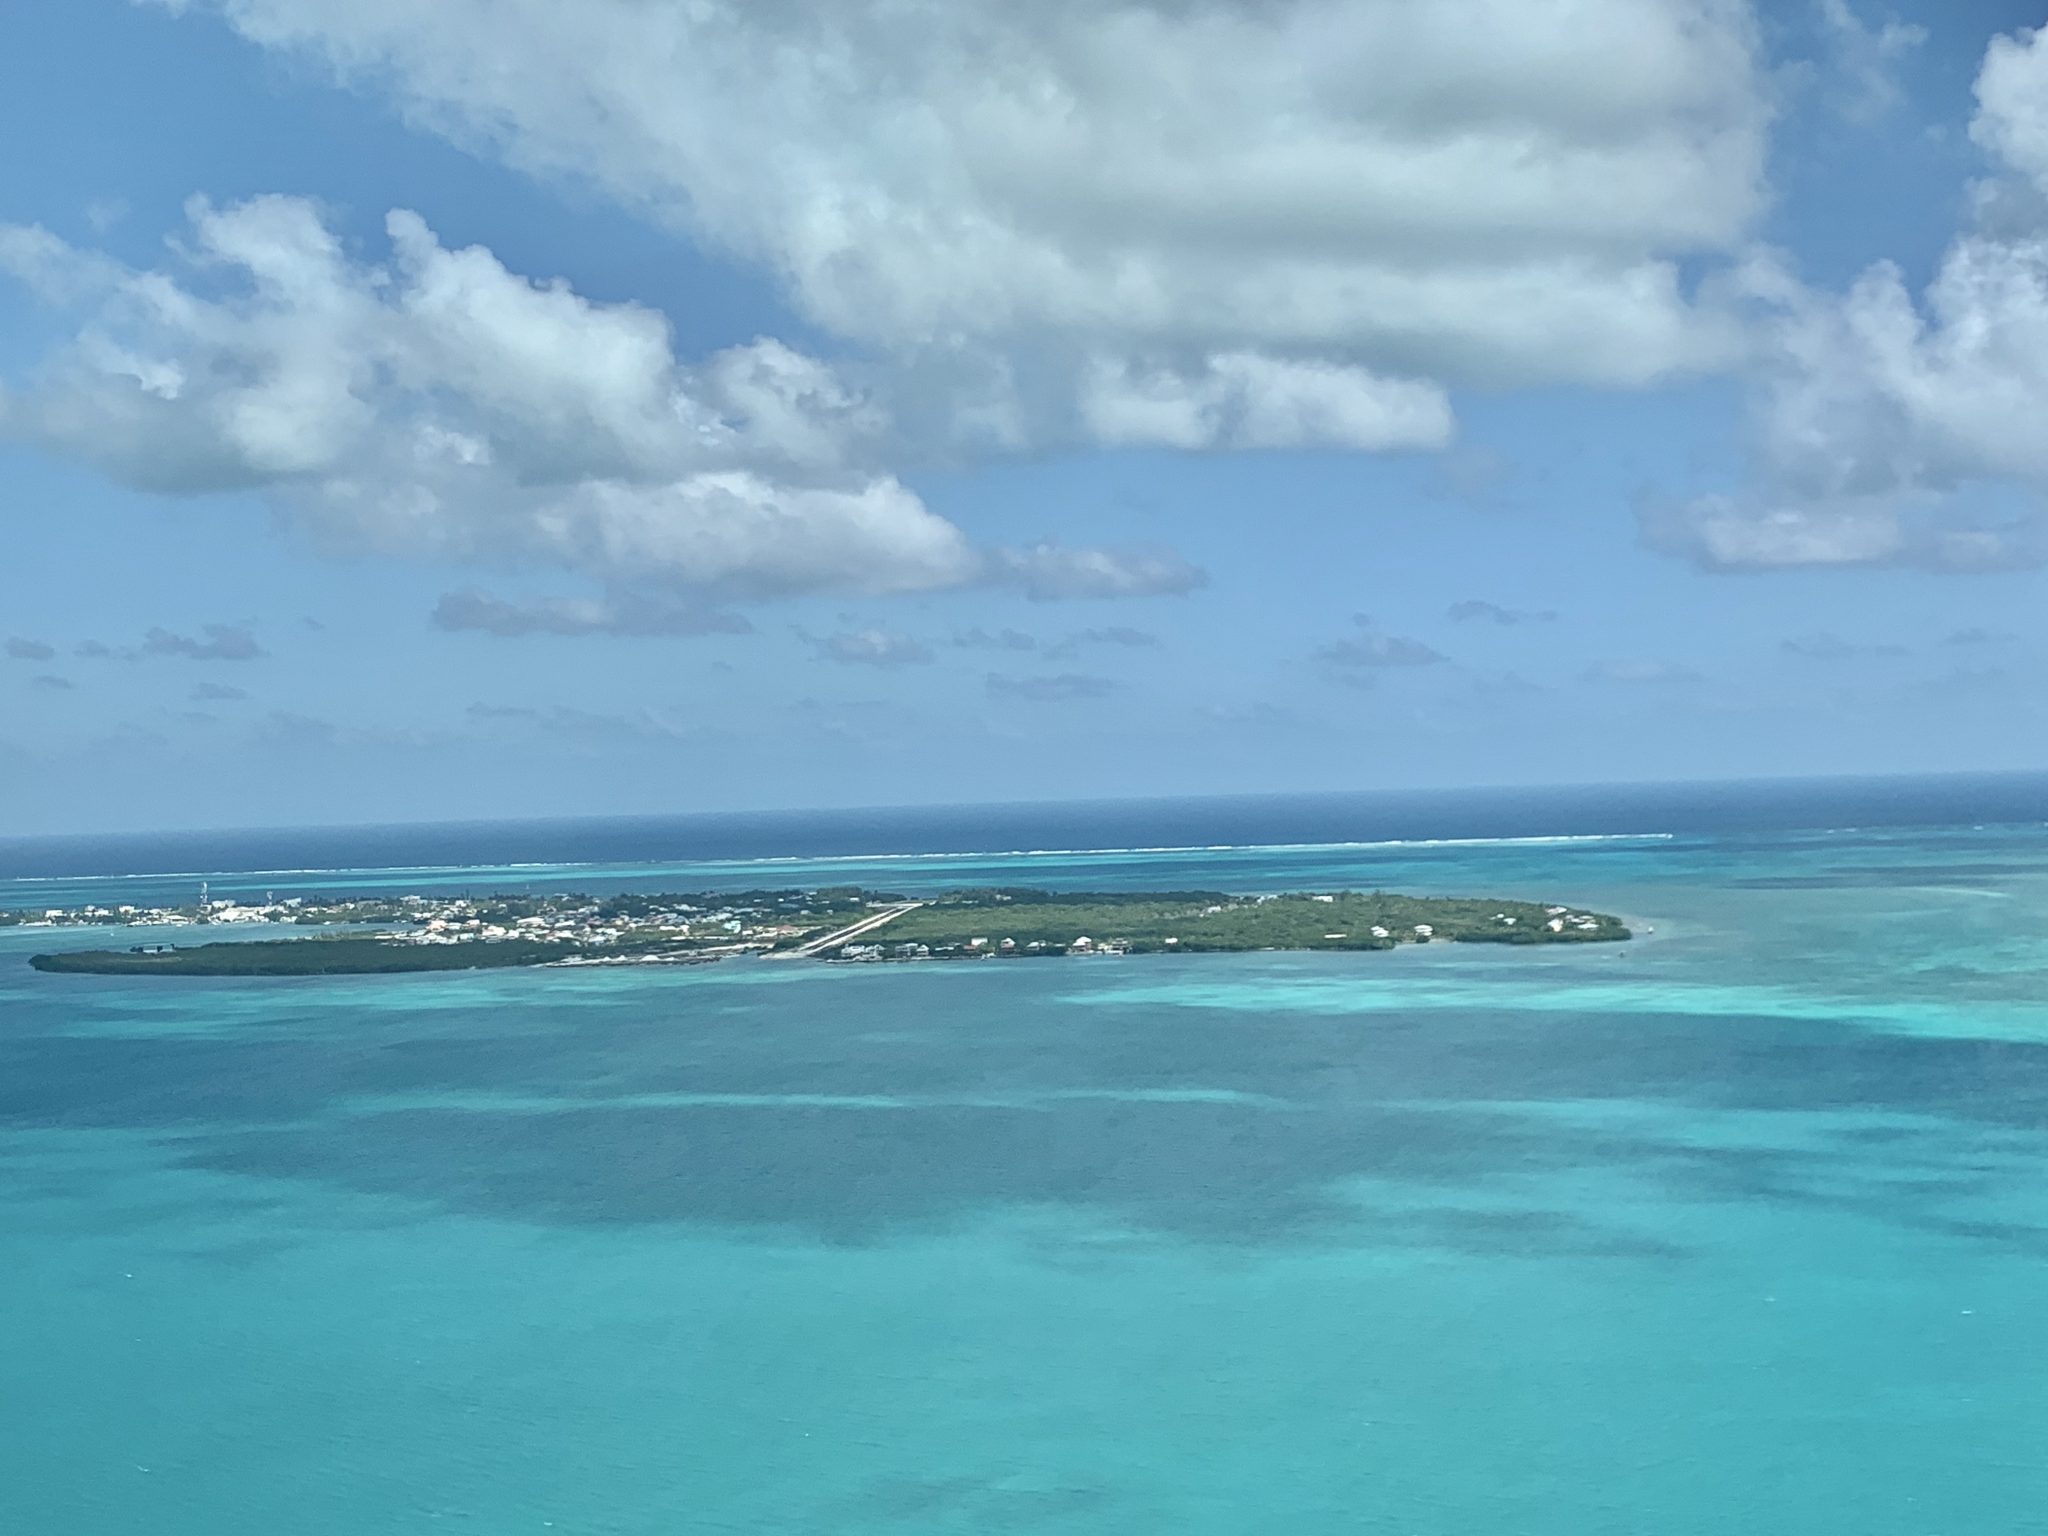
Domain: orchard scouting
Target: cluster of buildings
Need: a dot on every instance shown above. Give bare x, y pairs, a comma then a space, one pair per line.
206, 910
585, 921
982, 949
127, 916
580, 920
1559, 919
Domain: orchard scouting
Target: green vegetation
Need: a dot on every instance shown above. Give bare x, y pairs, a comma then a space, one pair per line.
461, 935
1039, 922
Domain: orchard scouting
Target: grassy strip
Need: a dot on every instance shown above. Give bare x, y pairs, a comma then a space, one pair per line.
1213, 921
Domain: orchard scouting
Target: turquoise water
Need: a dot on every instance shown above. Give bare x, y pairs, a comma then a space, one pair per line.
1743, 1227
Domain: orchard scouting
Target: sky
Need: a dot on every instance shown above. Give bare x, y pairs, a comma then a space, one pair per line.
508, 408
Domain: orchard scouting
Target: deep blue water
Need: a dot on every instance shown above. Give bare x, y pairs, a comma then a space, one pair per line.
1240, 821
1740, 1227
750, 849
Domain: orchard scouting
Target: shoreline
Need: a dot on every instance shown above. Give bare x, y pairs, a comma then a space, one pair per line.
835, 925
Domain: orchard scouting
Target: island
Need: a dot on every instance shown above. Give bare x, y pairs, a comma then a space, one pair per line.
382, 935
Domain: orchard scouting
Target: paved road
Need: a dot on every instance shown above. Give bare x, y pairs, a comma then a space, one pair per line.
852, 931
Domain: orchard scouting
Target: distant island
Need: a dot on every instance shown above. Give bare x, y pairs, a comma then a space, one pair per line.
844, 925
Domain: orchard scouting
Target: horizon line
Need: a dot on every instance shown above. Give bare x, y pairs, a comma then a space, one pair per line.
617, 818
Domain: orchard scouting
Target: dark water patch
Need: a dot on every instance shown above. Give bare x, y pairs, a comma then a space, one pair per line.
1302, 1109
1215, 1173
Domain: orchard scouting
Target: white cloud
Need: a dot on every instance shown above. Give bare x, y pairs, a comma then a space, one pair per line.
441, 405
2012, 104
170, 390
563, 387
1867, 57
1884, 416
1873, 391
1246, 400
1718, 533
1466, 190
742, 533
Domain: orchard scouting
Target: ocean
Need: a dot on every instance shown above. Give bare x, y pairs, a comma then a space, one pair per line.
1739, 1227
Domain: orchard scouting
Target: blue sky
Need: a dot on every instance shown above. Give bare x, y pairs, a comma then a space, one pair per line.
482, 410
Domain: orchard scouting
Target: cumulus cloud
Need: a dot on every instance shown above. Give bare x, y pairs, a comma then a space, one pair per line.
1887, 421
616, 613
2012, 104
1050, 688
1866, 57
217, 693
1719, 533
19, 649
1245, 400
1873, 393
51, 682
436, 404
1478, 611
216, 642
1305, 202
871, 647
